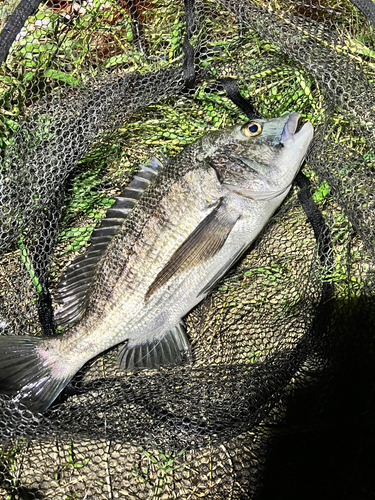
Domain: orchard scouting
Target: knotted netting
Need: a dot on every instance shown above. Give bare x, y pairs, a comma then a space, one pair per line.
278, 402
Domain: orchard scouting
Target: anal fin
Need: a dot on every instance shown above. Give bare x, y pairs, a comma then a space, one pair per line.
172, 349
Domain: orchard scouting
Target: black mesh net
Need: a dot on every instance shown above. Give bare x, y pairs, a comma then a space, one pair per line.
278, 401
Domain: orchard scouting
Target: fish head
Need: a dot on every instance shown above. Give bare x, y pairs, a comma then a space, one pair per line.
259, 160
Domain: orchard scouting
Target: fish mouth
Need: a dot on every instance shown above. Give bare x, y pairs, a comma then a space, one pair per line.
294, 129
299, 125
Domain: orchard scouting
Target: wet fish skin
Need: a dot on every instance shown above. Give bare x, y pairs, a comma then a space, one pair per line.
192, 221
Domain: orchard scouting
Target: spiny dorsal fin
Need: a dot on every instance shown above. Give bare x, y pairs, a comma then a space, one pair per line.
73, 290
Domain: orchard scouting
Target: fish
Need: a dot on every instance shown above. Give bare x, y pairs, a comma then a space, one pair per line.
163, 245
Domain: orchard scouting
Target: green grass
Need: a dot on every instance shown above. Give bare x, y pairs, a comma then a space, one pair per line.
25, 259
68, 59
72, 463
157, 473
9, 470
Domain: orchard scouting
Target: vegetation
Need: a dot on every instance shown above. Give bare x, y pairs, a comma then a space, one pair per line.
158, 470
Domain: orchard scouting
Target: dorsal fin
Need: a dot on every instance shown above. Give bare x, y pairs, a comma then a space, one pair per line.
73, 289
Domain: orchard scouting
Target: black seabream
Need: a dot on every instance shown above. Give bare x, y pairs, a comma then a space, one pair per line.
173, 233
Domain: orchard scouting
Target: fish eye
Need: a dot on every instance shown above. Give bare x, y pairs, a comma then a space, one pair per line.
251, 129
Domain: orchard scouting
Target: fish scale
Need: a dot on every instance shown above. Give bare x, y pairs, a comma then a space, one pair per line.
173, 232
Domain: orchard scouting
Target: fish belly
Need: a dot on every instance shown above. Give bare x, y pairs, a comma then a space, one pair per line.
176, 298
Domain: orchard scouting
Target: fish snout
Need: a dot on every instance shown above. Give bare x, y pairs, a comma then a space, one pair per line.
290, 133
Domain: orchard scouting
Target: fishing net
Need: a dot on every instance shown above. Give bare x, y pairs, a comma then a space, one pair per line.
278, 402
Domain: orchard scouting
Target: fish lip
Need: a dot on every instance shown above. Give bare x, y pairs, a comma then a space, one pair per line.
290, 133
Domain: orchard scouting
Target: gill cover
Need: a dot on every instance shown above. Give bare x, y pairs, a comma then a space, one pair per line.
262, 157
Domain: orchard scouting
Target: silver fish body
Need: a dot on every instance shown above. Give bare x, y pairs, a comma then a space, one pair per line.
195, 216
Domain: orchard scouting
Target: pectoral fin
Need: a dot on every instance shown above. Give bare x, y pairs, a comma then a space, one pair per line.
203, 243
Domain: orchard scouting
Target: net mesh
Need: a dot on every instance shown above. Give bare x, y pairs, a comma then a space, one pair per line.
279, 399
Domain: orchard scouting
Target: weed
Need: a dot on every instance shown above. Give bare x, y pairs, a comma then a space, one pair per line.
25, 259
158, 473
9, 470
72, 463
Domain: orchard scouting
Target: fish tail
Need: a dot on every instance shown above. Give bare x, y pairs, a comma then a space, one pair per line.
27, 375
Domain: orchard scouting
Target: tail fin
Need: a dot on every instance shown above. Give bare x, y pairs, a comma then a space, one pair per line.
25, 375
